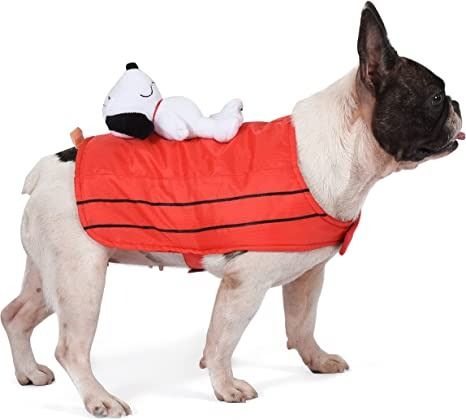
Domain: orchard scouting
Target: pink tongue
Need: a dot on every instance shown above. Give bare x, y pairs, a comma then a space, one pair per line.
461, 136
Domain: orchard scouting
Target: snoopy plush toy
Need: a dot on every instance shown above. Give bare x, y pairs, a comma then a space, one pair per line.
135, 108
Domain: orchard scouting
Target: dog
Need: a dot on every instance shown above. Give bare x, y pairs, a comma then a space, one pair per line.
135, 108
388, 114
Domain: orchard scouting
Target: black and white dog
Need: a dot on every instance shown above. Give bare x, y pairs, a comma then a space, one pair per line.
388, 114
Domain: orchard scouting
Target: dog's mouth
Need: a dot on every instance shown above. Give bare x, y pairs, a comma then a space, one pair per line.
446, 149
453, 143
150, 94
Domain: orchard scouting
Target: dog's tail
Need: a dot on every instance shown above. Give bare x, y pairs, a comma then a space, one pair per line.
32, 179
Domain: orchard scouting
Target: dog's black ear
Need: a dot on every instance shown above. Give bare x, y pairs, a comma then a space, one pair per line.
133, 124
376, 55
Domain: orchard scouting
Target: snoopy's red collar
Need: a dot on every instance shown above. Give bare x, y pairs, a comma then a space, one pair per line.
156, 108
201, 197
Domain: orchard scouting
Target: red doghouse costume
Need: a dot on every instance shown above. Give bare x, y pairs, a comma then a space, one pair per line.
201, 197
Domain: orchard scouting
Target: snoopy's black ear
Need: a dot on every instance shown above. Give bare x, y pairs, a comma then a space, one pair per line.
133, 124
130, 66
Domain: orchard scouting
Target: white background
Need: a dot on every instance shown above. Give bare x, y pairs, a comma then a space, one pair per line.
394, 306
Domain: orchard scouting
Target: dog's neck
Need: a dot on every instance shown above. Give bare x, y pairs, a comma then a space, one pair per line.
338, 155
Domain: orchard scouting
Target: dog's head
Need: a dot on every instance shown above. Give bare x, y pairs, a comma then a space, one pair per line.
129, 106
412, 117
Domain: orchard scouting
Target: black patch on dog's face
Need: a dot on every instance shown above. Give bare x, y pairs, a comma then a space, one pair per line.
411, 113
68, 155
411, 108
132, 124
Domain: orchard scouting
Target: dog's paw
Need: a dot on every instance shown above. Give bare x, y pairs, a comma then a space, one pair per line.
40, 375
327, 363
235, 390
107, 406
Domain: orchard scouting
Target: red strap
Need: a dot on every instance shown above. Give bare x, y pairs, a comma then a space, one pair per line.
193, 261
156, 109
349, 236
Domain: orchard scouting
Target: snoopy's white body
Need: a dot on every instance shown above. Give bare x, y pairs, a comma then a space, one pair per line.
179, 118
174, 118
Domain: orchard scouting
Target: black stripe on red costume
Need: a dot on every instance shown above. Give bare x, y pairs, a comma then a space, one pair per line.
189, 203
206, 228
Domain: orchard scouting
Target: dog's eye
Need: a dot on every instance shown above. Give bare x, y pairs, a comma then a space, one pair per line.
108, 97
437, 99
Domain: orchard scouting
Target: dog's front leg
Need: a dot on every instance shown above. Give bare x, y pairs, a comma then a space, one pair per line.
236, 303
300, 299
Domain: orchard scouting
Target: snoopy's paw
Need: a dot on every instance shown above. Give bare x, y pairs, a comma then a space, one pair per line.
231, 109
228, 129
234, 107
179, 134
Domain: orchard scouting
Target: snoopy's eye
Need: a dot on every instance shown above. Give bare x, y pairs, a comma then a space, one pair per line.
108, 97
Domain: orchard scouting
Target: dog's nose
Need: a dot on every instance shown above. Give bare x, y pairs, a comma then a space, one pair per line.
131, 65
456, 107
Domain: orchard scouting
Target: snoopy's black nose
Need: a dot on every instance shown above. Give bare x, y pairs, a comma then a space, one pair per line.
130, 66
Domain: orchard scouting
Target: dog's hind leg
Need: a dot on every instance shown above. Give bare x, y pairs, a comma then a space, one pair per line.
300, 299
20, 318
79, 284
236, 303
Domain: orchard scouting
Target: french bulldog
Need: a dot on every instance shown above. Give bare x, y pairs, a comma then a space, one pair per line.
388, 114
